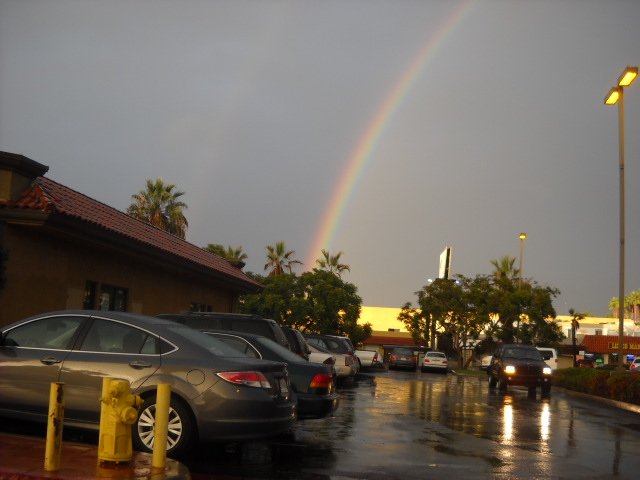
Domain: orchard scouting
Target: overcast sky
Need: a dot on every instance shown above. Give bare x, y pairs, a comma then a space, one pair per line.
385, 129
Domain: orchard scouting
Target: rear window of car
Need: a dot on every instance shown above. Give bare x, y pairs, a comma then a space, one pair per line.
214, 345
403, 351
546, 354
436, 354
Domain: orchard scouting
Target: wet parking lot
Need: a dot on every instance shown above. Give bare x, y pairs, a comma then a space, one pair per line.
413, 425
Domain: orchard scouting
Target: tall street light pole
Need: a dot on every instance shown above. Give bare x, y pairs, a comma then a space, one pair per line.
616, 95
523, 236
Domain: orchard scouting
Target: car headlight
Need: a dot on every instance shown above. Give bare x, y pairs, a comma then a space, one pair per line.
546, 370
510, 369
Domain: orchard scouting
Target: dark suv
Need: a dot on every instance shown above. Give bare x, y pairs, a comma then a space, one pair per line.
297, 342
517, 364
236, 322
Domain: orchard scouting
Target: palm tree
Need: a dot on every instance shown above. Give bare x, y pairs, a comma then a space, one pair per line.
160, 206
279, 259
331, 263
575, 324
504, 268
235, 256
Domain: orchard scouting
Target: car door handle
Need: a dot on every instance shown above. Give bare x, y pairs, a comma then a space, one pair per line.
50, 360
139, 364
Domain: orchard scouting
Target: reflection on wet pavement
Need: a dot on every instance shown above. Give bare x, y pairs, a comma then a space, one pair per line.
411, 425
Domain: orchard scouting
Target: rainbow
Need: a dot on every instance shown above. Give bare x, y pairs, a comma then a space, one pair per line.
367, 143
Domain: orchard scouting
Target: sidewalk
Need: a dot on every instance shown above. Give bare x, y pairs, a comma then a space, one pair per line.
22, 458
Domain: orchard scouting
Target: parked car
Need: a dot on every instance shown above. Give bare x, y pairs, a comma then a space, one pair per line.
402, 357
518, 364
435, 361
312, 383
586, 363
237, 322
297, 342
215, 397
367, 358
550, 356
335, 344
343, 363
635, 365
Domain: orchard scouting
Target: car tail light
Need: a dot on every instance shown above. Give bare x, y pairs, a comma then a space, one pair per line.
375, 357
321, 380
322, 384
426, 360
250, 379
414, 359
347, 361
393, 357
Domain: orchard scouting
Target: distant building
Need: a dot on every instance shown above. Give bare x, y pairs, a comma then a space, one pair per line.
61, 249
597, 335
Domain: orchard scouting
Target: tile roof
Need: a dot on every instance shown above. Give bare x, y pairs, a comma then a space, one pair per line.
49, 196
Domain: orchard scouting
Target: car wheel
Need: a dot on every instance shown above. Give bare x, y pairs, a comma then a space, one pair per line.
502, 384
546, 389
492, 381
181, 432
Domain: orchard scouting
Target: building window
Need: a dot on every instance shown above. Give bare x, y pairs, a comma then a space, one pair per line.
113, 298
598, 331
90, 290
104, 297
200, 307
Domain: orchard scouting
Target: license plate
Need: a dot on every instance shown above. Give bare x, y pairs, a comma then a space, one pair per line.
284, 389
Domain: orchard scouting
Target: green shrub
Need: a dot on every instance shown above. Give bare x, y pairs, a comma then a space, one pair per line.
601, 382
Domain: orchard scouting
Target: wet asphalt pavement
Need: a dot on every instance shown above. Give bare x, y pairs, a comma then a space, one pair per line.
412, 425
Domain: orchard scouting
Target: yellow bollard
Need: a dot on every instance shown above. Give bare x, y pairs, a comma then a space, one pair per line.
119, 410
161, 426
53, 447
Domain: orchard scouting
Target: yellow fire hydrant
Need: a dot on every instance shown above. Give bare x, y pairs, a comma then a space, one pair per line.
119, 410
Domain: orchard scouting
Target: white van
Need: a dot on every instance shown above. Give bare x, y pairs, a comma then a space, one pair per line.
550, 356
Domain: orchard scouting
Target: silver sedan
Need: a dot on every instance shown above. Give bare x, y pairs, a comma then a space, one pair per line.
214, 398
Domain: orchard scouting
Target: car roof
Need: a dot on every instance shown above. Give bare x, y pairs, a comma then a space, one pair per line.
136, 319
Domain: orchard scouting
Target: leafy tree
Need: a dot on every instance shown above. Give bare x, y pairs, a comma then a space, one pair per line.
465, 308
575, 324
630, 301
235, 256
315, 302
331, 263
160, 205
279, 300
280, 260
504, 268
417, 324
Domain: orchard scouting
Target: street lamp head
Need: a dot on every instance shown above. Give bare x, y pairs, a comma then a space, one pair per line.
523, 236
613, 96
628, 76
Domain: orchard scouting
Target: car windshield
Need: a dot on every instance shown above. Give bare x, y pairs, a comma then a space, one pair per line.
523, 353
214, 345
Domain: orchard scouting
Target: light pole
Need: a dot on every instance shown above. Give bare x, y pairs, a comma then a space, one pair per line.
523, 236
616, 95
